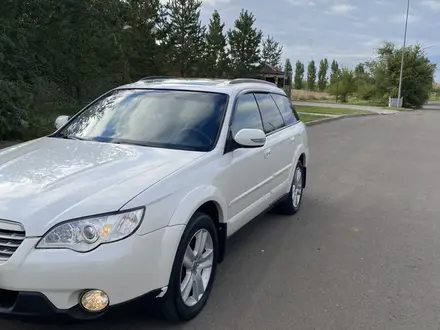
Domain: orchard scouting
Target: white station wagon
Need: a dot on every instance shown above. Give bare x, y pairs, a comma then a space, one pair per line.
136, 195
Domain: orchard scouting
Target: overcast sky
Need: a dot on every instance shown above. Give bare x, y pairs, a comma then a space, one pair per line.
346, 30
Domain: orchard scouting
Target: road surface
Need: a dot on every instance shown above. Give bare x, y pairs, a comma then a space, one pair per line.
362, 254
432, 105
343, 106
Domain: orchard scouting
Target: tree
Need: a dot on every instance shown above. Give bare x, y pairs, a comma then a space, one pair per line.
56, 56
299, 75
334, 72
216, 58
345, 85
186, 35
288, 66
322, 75
311, 76
418, 74
272, 52
244, 43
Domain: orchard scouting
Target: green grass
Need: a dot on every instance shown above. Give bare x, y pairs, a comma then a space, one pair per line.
330, 111
308, 118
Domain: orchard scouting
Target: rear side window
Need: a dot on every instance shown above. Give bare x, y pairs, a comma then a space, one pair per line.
270, 114
246, 114
287, 111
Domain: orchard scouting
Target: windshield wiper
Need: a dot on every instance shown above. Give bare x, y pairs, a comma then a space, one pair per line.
134, 143
71, 137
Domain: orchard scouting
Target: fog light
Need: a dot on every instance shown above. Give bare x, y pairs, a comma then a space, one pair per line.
94, 301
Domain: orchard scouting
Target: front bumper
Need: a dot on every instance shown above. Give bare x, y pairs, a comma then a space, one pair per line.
36, 304
50, 282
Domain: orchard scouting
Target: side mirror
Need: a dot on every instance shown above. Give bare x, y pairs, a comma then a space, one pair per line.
61, 121
250, 138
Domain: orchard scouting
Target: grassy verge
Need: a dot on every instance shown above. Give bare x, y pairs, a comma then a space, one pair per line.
305, 118
330, 111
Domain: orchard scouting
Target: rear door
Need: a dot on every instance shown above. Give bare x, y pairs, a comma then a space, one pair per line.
294, 130
279, 149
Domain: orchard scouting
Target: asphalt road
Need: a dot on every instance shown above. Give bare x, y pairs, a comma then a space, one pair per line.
362, 254
432, 105
343, 106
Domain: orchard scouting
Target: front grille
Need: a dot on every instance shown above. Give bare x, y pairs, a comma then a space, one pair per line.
10, 240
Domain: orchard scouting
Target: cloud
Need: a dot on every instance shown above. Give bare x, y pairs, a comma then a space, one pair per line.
432, 4
401, 18
341, 9
215, 2
310, 3
360, 24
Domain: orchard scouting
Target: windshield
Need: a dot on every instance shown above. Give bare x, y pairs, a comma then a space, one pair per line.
156, 118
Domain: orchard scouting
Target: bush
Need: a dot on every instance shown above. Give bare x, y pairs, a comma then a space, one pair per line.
15, 100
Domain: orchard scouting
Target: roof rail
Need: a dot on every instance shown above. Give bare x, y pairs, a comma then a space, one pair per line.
250, 80
158, 77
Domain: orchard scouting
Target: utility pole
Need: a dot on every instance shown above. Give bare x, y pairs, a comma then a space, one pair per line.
403, 57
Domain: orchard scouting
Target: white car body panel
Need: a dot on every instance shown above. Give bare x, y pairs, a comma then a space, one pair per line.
51, 180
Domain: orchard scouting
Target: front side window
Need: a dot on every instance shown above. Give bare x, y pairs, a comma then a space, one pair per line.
156, 118
286, 108
246, 114
272, 119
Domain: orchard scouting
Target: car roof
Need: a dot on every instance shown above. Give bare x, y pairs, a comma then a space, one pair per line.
226, 86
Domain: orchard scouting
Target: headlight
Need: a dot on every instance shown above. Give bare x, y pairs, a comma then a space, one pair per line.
84, 235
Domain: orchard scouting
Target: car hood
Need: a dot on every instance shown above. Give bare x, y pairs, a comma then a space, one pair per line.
49, 180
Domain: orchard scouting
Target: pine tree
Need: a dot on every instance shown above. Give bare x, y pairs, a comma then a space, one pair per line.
311, 76
272, 52
322, 75
244, 43
299, 75
288, 66
186, 35
216, 57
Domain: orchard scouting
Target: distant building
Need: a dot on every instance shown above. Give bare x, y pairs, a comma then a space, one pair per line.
281, 79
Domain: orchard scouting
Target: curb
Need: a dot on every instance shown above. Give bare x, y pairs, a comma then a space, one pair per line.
326, 120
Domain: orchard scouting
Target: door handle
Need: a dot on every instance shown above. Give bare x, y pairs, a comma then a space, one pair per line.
292, 139
267, 153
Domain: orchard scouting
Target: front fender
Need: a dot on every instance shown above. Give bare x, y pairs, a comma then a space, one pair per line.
193, 200
171, 208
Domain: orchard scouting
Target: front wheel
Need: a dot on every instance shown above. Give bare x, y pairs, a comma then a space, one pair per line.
292, 203
193, 270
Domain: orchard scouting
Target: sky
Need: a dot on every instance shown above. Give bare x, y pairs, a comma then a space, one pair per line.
346, 30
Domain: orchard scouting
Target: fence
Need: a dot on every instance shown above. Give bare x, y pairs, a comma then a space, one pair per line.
395, 102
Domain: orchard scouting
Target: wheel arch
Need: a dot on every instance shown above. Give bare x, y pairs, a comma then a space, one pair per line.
208, 200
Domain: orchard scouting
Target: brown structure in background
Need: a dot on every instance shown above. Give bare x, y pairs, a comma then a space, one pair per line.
282, 79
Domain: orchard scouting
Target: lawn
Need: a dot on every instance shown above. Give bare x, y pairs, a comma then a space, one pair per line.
305, 118
330, 111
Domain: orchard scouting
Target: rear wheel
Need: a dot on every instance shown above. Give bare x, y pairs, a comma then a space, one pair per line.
292, 203
193, 270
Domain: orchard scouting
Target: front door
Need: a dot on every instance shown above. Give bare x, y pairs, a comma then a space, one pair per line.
246, 178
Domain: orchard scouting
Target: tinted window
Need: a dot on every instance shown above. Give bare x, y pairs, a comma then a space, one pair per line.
165, 119
286, 108
272, 119
246, 114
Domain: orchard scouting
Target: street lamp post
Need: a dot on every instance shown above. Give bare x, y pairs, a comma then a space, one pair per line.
403, 57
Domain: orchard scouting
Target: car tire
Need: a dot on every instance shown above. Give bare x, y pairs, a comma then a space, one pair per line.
183, 305
291, 204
